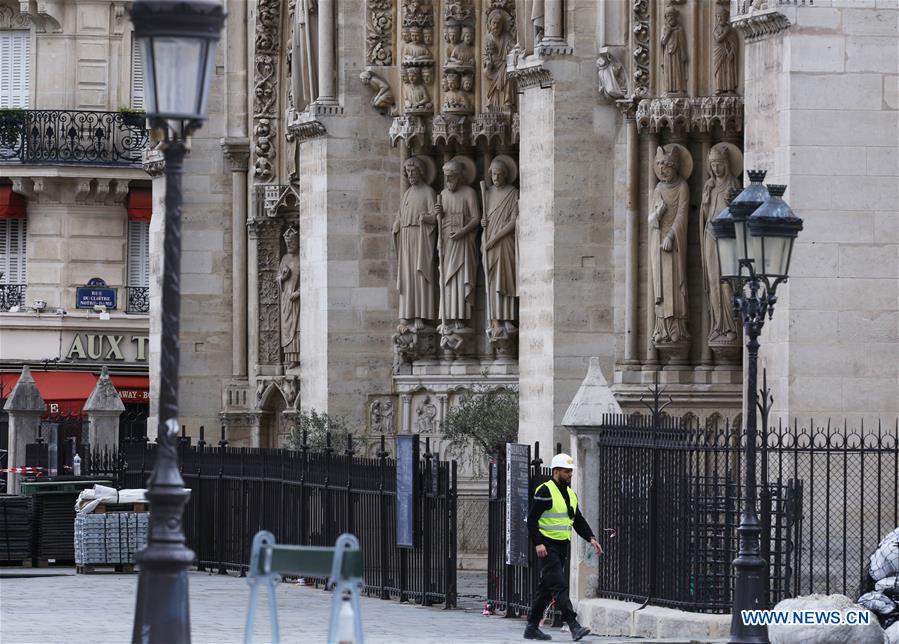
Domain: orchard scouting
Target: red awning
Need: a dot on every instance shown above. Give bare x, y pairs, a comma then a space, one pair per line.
140, 204
12, 204
65, 392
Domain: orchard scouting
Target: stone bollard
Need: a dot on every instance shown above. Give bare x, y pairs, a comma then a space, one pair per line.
583, 418
103, 408
25, 407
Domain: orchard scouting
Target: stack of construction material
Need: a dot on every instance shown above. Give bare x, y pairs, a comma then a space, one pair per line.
109, 539
15, 529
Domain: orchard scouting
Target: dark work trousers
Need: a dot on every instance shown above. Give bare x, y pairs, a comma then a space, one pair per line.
553, 583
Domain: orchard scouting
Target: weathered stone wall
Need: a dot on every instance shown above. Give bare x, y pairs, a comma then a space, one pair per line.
821, 116
566, 238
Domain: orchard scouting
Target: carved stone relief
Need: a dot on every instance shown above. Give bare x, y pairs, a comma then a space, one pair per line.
416, 95
426, 417
265, 233
381, 416
691, 114
667, 243
641, 48
11, 19
379, 36
265, 88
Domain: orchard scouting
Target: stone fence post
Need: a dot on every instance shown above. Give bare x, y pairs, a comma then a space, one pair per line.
103, 408
583, 419
25, 407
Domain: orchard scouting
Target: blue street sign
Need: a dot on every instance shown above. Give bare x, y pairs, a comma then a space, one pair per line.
87, 297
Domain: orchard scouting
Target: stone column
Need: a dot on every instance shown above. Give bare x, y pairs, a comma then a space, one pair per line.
406, 411
553, 21
237, 152
25, 407
651, 361
327, 93
632, 238
103, 408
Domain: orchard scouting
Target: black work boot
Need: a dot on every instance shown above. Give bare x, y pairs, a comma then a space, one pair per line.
578, 632
533, 632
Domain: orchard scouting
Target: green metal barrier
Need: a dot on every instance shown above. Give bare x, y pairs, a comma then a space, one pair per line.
342, 565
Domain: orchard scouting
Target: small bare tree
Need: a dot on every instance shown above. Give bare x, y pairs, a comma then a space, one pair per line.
482, 424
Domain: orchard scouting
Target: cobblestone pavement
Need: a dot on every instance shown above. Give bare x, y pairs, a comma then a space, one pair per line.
56, 605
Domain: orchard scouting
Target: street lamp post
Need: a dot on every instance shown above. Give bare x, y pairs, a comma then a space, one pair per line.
177, 41
755, 236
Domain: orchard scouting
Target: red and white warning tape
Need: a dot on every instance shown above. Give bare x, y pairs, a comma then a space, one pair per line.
25, 470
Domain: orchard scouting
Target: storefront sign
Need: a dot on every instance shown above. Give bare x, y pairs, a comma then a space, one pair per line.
105, 347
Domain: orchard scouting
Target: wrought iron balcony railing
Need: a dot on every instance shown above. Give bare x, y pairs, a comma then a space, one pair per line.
138, 299
71, 137
11, 295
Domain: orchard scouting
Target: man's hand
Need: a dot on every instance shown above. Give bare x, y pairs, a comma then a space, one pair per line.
541, 551
596, 546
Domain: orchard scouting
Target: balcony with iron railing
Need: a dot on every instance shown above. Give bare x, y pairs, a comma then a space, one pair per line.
138, 300
11, 295
72, 137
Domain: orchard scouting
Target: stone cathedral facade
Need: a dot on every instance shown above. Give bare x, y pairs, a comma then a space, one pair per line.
398, 201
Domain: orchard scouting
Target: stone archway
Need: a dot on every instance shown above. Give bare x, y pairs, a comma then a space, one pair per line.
272, 421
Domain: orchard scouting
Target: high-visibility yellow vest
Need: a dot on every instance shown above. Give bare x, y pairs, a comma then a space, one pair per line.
555, 522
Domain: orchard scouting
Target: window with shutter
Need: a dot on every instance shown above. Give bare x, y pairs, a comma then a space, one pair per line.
15, 68
137, 77
12, 250
139, 253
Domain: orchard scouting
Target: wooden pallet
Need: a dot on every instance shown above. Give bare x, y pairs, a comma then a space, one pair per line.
90, 569
23, 563
44, 562
127, 507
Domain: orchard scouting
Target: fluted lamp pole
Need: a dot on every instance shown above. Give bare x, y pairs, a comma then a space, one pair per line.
754, 235
177, 40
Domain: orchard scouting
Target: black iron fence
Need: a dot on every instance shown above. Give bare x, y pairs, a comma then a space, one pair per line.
673, 491
309, 498
71, 137
11, 295
510, 588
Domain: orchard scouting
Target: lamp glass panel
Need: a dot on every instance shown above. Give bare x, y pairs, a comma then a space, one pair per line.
742, 246
208, 70
146, 60
180, 66
728, 262
777, 253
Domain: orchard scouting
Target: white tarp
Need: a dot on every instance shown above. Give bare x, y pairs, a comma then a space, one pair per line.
89, 499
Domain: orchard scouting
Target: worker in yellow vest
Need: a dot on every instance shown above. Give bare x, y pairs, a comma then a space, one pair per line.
553, 514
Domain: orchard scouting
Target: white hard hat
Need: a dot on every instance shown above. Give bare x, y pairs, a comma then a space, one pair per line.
562, 460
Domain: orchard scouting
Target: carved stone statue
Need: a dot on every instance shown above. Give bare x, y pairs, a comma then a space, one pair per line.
415, 237
416, 97
383, 100
725, 168
289, 286
668, 248
501, 243
674, 54
726, 47
303, 76
612, 83
458, 215
387, 415
500, 39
